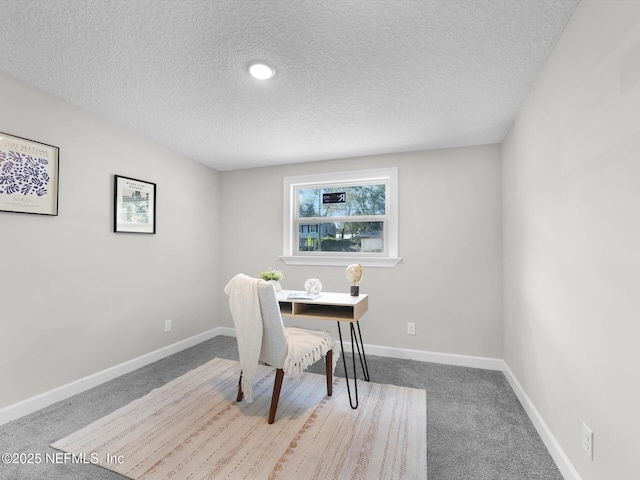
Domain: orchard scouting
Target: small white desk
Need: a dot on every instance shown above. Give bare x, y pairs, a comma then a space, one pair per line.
339, 307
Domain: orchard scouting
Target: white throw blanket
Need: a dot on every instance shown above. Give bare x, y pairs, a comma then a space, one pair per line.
244, 304
305, 347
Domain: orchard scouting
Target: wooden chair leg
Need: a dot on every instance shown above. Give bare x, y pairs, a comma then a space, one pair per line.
329, 359
277, 385
239, 399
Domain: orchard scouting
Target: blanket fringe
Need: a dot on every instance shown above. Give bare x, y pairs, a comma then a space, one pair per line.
295, 365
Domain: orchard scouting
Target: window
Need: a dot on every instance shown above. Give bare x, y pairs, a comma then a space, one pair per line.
342, 218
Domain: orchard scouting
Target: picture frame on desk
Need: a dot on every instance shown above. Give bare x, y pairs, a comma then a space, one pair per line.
29, 176
134, 209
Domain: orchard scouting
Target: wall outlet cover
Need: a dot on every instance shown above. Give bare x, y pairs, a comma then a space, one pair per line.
587, 441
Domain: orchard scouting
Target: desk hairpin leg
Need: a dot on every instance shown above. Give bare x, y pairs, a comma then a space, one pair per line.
359, 346
365, 367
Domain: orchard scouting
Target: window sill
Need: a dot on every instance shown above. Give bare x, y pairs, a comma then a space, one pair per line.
340, 261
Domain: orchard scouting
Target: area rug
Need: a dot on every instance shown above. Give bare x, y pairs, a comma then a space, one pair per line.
193, 428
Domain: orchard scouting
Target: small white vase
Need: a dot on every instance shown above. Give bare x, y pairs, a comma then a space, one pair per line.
276, 285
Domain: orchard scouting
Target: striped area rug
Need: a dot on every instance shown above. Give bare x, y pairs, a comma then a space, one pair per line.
192, 428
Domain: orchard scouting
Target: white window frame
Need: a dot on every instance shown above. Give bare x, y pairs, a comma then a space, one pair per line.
291, 221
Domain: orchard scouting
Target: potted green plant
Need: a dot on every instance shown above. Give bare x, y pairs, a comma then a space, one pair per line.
273, 276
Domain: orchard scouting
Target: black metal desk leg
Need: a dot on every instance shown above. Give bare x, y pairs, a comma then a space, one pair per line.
363, 357
346, 373
356, 345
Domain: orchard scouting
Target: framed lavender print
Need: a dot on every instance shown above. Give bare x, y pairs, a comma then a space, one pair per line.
28, 176
134, 206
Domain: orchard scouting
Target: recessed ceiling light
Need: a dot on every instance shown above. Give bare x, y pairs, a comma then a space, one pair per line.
261, 71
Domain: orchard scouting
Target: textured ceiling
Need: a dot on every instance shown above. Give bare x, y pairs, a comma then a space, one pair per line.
354, 77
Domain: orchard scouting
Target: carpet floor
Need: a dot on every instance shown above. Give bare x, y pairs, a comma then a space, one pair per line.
476, 427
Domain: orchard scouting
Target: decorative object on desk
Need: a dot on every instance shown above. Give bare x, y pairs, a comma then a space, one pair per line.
273, 276
302, 296
134, 209
28, 176
313, 286
355, 272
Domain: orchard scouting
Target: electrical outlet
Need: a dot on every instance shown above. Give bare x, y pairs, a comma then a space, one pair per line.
167, 325
411, 328
587, 441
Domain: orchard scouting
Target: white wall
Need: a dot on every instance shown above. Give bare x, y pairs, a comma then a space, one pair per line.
572, 237
449, 281
75, 298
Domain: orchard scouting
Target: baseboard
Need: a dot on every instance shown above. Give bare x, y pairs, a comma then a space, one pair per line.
227, 332
565, 466
33, 404
486, 363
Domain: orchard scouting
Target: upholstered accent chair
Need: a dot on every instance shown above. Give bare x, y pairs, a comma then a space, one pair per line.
288, 350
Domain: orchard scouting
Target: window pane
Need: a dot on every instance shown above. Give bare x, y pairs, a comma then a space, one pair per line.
342, 237
342, 201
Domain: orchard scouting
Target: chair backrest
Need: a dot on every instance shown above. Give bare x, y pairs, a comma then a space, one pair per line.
274, 342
